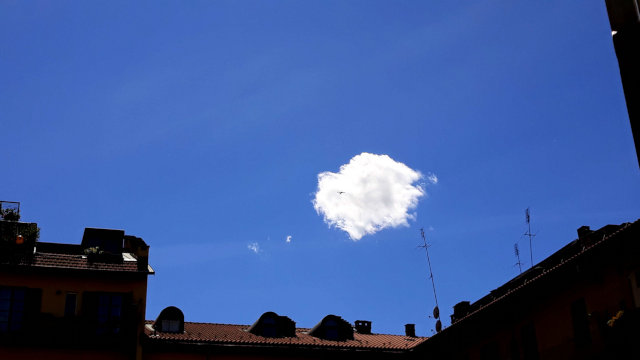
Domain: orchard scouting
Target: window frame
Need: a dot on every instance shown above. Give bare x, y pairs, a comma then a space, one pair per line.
109, 313
68, 312
13, 304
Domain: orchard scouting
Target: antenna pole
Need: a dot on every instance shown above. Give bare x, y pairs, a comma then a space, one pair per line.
425, 246
529, 234
515, 247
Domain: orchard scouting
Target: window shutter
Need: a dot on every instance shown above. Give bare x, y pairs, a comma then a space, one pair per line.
90, 309
33, 307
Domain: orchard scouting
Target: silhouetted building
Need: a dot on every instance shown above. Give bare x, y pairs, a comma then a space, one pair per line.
271, 336
624, 17
87, 301
582, 302
63, 301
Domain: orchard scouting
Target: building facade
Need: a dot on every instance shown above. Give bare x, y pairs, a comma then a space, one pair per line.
271, 337
68, 301
62, 301
582, 302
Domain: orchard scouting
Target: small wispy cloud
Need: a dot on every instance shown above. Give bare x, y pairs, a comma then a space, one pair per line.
254, 246
370, 193
288, 240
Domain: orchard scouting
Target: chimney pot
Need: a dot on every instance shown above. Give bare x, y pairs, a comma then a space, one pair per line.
584, 232
410, 330
460, 310
363, 326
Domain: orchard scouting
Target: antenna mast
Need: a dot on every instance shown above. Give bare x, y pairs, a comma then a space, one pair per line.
436, 310
517, 251
529, 234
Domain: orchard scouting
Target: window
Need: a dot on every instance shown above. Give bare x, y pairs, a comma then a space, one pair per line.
70, 304
272, 325
170, 320
580, 319
331, 329
12, 306
172, 326
269, 327
109, 313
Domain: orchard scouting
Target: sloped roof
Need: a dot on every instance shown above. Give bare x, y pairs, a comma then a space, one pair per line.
221, 334
80, 262
548, 267
65, 256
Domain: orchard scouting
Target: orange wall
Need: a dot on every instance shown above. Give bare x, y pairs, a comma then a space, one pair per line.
55, 287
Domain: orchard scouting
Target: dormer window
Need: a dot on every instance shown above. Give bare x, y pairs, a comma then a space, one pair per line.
172, 326
170, 320
331, 329
269, 327
334, 328
272, 325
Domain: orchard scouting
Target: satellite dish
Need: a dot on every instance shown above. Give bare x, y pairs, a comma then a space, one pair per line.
438, 326
436, 312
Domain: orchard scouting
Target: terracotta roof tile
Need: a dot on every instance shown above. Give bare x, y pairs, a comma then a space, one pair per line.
75, 262
238, 334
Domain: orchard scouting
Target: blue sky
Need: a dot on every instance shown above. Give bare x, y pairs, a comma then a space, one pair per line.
203, 126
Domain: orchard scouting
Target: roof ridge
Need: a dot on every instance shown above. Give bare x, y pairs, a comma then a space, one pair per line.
571, 258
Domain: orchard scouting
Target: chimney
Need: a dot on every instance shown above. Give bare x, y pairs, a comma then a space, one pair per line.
363, 326
139, 249
585, 236
460, 310
410, 330
584, 232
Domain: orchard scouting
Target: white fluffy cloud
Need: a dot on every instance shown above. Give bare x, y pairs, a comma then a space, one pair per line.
370, 193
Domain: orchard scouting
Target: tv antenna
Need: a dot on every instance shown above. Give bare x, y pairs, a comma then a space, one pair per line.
436, 310
529, 234
517, 251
